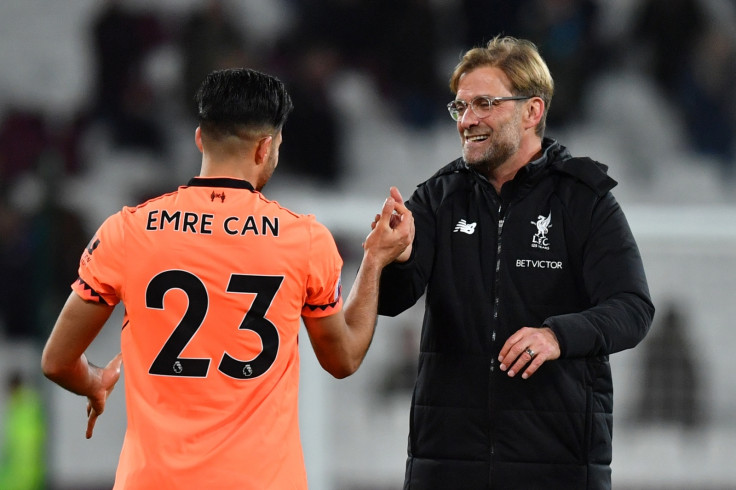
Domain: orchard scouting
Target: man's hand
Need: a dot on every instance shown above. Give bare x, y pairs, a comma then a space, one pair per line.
530, 347
392, 232
397, 221
109, 376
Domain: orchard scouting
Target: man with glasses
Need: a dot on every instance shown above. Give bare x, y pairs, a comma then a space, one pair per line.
533, 279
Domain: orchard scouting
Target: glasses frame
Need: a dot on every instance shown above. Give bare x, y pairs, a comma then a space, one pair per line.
492, 102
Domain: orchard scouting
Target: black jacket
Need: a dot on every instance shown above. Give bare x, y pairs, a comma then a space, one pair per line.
554, 249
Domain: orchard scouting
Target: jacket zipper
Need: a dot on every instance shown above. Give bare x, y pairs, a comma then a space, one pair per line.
496, 303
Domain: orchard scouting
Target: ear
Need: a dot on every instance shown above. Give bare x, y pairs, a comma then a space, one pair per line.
533, 112
263, 149
198, 139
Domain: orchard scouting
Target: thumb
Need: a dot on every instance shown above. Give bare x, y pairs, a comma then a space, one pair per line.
387, 211
116, 363
112, 370
111, 373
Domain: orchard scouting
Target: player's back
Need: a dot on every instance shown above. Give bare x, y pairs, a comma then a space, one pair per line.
214, 279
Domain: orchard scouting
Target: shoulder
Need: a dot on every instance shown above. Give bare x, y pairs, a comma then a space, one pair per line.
586, 171
450, 179
307, 223
583, 188
284, 212
452, 170
154, 201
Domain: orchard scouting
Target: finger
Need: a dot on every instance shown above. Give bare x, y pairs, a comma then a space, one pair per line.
521, 360
386, 212
400, 208
375, 221
399, 201
402, 217
511, 353
91, 420
395, 220
511, 348
507, 355
532, 367
406, 226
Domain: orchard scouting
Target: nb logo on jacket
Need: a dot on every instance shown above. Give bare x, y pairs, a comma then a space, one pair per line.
462, 226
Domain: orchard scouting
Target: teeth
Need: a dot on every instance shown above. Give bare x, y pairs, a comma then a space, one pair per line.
476, 138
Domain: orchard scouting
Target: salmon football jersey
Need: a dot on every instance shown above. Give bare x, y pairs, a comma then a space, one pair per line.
214, 279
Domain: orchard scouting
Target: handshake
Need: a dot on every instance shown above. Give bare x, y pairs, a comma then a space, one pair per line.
392, 231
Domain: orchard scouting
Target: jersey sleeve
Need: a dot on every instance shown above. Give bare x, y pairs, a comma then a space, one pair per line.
324, 286
101, 266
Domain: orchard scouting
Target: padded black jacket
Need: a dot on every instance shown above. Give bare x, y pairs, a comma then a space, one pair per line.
553, 249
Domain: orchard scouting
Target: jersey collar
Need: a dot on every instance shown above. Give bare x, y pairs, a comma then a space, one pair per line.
220, 182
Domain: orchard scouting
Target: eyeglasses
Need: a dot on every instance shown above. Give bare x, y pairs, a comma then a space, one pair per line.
482, 105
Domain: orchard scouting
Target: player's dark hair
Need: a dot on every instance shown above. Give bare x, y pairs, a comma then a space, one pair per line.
237, 101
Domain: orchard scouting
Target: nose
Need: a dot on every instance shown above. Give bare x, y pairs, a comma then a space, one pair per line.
467, 119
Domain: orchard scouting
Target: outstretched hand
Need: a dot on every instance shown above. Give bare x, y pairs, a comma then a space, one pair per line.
399, 219
392, 231
109, 376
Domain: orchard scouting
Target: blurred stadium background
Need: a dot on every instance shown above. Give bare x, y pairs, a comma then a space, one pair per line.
96, 113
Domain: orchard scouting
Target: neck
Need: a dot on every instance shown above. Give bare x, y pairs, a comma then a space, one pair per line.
529, 151
233, 168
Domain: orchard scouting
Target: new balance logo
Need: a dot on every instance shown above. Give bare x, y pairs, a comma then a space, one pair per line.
464, 227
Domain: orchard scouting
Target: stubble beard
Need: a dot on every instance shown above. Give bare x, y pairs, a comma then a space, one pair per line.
502, 145
492, 158
267, 172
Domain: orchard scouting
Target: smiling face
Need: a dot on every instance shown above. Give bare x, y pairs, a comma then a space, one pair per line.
489, 142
